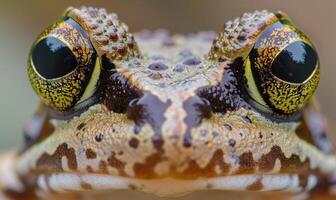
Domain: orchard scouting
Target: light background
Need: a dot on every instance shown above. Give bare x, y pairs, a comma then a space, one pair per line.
22, 21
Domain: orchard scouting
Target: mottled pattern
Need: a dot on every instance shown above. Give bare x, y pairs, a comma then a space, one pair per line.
172, 120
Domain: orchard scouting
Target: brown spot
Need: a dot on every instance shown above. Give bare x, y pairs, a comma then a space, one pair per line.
133, 143
116, 163
193, 170
103, 167
90, 154
242, 36
246, 164
132, 187
288, 165
81, 126
89, 169
146, 170
54, 162
232, 142
260, 135
256, 186
99, 137
86, 186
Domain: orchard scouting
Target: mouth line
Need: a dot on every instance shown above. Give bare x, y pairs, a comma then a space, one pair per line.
72, 182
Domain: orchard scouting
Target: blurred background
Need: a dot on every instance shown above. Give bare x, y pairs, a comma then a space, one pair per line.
22, 21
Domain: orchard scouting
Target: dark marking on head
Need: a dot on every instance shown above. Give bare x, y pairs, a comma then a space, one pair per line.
146, 170
53, 162
247, 119
192, 61
149, 109
86, 186
116, 91
228, 127
260, 135
99, 137
194, 170
225, 96
232, 142
114, 162
133, 142
197, 109
89, 169
90, 154
103, 167
288, 165
81, 126
256, 186
247, 164
158, 66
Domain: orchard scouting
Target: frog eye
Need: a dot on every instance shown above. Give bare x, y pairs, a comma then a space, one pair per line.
282, 68
63, 66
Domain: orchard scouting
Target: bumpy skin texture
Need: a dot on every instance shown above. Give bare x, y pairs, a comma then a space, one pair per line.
171, 119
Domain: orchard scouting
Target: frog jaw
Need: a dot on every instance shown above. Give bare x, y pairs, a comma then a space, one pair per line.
168, 187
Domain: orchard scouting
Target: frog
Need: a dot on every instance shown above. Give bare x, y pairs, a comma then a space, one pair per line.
169, 115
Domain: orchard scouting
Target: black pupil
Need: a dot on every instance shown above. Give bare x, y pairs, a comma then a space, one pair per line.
295, 63
52, 58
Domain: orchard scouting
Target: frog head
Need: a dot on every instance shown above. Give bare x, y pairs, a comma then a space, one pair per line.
173, 114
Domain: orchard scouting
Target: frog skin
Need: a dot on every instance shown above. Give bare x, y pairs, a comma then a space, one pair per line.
170, 115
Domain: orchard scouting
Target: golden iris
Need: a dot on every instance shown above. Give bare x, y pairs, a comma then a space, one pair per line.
282, 68
63, 66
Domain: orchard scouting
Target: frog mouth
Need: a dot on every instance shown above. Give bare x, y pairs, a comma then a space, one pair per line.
70, 182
